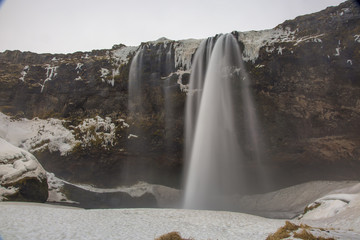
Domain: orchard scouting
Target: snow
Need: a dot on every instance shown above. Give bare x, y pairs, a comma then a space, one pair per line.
184, 51
339, 217
132, 136
78, 66
339, 211
16, 163
183, 87
310, 38
24, 72
290, 202
121, 55
55, 186
41, 134
50, 74
337, 51
349, 61
34, 221
254, 40
4, 192
94, 129
78, 78
326, 209
357, 38
37, 134
104, 72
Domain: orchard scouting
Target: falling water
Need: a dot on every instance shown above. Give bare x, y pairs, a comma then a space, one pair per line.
135, 82
214, 154
196, 83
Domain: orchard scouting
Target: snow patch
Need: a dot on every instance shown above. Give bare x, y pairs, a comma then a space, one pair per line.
349, 61
50, 74
357, 38
55, 186
132, 136
122, 55
96, 131
337, 51
184, 51
16, 163
254, 40
180, 73
78, 78
24, 72
37, 134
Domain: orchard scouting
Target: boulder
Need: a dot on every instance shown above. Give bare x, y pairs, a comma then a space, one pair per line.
22, 178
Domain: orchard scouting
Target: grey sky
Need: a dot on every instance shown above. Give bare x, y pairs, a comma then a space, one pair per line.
62, 26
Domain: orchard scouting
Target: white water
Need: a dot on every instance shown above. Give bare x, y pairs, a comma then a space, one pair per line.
135, 80
196, 84
214, 155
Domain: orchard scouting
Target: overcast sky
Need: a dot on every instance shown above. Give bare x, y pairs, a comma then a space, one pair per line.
62, 26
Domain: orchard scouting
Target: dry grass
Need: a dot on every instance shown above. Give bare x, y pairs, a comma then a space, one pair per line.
291, 229
171, 236
309, 236
283, 232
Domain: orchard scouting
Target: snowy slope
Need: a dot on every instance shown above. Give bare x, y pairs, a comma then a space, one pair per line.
37, 134
338, 210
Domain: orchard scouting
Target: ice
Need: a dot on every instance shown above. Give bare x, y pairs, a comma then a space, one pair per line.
184, 51
50, 74
122, 55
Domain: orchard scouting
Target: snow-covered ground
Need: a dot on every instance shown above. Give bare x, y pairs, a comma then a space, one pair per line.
27, 221
336, 214
36, 221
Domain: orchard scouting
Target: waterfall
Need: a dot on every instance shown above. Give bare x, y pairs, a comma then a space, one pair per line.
214, 153
135, 83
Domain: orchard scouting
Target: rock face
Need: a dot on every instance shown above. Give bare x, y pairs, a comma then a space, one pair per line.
305, 78
22, 177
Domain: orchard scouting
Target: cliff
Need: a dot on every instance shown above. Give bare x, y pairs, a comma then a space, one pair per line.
304, 74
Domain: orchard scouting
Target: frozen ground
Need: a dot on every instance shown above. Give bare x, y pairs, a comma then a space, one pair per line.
37, 221
337, 215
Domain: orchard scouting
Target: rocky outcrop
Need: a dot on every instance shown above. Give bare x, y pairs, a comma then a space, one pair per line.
307, 88
305, 80
22, 177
